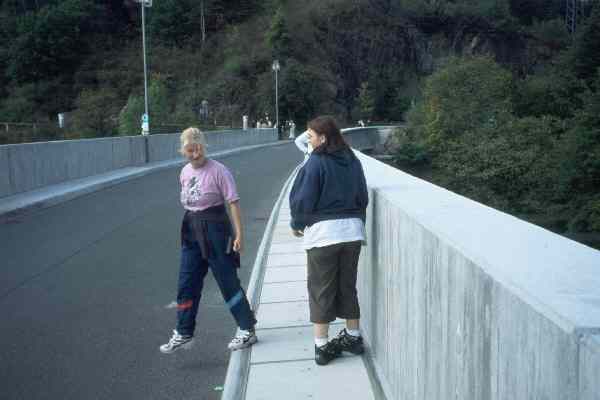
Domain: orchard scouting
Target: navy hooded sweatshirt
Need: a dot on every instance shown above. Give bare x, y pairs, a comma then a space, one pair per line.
328, 186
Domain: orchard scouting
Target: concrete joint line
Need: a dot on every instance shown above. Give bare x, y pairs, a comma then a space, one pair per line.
272, 328
282, 361
286, 266
285, 302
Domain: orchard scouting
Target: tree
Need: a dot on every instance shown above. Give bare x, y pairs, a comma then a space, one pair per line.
130, 116
587, 47
277, 37
302, 92
174, 22
366, 101
464, 96
96, 113
158, 108
48, 43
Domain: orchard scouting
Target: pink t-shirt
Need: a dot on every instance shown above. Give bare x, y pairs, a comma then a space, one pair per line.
208, 186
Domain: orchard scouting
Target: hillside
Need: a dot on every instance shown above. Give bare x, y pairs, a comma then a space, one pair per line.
501, 100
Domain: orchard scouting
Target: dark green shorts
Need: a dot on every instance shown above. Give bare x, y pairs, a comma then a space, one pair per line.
332, 282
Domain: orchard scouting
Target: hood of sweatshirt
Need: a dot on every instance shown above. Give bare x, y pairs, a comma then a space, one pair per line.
342, 157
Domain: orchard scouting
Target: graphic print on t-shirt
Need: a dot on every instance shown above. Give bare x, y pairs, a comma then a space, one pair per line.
192, 193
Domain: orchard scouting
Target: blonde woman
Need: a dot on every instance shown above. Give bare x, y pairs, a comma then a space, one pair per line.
208, 241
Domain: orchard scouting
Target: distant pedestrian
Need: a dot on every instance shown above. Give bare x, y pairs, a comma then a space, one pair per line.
208, 241
328, 205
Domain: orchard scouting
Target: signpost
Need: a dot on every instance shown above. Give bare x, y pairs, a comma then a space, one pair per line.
145, 120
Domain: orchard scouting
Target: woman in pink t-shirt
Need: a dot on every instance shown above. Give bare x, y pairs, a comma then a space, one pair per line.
208, 241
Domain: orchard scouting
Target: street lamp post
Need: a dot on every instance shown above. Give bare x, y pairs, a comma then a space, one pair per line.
276, 68
145, 117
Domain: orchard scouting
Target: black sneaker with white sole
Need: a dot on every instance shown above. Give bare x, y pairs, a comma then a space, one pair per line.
326, 353
177, 342
243, 339
346, 342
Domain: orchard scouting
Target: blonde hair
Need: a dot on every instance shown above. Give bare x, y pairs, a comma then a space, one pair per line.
192, 136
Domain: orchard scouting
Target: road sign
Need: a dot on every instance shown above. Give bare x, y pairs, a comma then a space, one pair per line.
145, 124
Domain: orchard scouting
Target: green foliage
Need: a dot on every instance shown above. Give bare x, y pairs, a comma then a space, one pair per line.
277, 37
556, 93
582, 149
302, 92
530, 11
552, 33
130, 116
173, 22
511, 166
96, 113
587, 48
49, 42
412, 154
526, 141
20, 106
366, 101
466, 95
538, 156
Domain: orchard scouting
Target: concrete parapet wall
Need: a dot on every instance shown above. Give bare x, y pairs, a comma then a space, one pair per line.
589, 367
368, 138
361, 138
29, 166
462, 301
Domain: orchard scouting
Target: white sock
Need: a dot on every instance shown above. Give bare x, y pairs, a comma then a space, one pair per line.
321, 341
352, 332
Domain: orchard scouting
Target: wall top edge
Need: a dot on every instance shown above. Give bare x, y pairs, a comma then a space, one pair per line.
112, 138
557, 275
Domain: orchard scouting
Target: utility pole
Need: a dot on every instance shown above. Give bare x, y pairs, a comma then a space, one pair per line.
145, 117
276, 67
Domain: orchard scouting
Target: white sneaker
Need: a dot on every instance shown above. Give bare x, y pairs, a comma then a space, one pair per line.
177, 342
243, 339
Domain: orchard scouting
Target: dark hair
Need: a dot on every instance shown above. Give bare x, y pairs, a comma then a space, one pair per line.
326, 126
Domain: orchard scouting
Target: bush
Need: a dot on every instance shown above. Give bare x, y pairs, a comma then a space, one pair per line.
465, 96
158, 108
555, 93
513, 166
96, 113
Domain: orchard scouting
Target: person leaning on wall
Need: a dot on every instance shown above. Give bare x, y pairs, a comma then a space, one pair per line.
328, 204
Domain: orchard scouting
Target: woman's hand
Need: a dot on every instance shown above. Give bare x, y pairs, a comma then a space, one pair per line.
237, 245
236, 217
297, 233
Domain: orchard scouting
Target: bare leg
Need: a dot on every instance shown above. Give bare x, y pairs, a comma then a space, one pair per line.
352, 324
321, 330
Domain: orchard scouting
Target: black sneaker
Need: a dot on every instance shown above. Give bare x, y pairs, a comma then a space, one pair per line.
326, 353
346, 342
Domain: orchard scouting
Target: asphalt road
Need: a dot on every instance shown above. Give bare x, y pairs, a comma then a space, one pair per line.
85, 288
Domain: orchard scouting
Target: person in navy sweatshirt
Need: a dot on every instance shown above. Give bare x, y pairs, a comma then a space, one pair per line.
328, 204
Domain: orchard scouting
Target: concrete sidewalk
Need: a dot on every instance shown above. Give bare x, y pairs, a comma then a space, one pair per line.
281, 365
